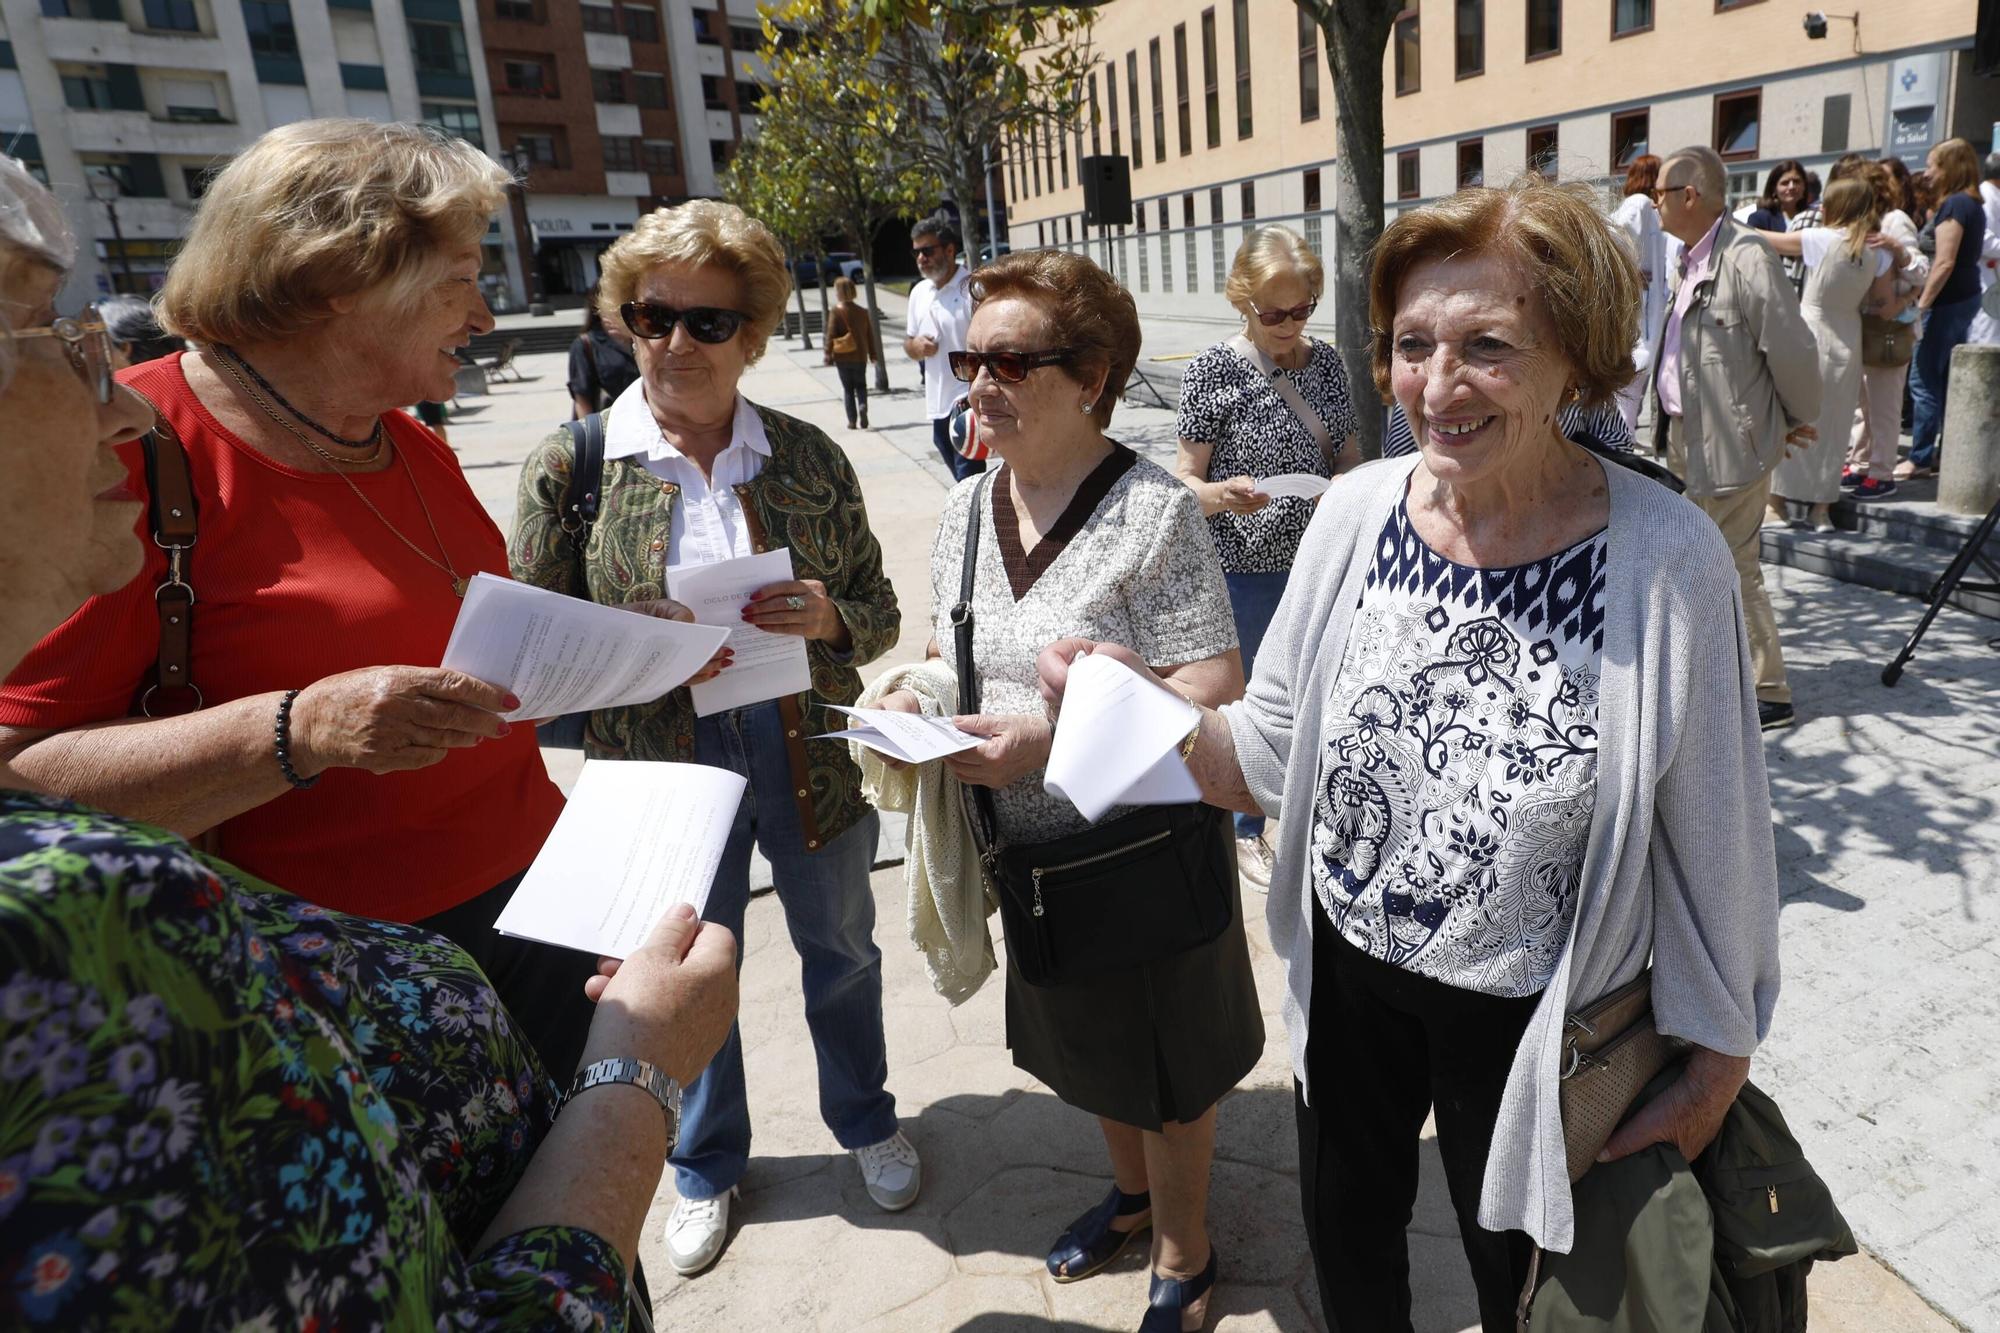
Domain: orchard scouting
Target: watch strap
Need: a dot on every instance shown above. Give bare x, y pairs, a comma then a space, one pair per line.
640, 1074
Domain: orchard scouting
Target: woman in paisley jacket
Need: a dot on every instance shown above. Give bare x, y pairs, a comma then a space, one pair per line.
228, 1107
695, 473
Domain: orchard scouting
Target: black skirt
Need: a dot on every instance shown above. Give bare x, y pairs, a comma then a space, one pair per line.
1147, 1045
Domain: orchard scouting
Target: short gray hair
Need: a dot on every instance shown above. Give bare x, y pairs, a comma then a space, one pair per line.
1709, 178
1992, 166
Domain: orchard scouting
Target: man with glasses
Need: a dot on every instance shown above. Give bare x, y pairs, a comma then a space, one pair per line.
940, 309
1739, 385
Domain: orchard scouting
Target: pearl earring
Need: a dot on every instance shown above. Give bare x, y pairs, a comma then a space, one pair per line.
1087, 405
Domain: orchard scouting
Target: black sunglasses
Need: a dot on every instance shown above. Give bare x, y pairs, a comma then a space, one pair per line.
1271, 319
704, 323
926, 251
1007, 367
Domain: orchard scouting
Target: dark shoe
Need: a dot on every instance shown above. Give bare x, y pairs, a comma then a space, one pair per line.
1851, 477
1092, 1242
1166, 1297
1872, 489
850, 423
864, 421
1773, 717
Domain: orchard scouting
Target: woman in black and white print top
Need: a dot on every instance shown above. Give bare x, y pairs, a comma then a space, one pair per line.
1236, 429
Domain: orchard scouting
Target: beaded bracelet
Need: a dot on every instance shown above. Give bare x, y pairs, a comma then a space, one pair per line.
283, 737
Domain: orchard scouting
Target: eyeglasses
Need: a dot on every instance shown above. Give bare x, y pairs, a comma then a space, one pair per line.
1007, 367
1271, 319
87, 344
704, 323
926, 251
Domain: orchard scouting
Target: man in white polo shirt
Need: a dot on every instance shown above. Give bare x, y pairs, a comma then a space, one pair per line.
940, 309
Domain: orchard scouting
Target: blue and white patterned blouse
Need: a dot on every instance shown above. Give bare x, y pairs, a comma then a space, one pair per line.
1460, 770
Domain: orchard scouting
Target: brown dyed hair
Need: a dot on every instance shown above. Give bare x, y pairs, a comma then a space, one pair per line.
1643, 176
1906, 185
1584, 275
1086, 311
1957, 168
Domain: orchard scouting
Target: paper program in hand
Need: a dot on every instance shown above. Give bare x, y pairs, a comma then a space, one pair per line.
1305, 485
910, 738
1118, 740
562, 654
767, 665
635, 839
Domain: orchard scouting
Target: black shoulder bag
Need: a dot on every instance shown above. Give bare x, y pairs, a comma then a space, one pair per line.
1145, 886
578, 516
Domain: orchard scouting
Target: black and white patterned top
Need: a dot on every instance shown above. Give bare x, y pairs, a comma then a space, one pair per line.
1604, 424
1127, 563
1460, 768
1225, 402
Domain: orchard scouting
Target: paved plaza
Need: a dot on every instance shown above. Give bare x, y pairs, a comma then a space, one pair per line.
1883, 1054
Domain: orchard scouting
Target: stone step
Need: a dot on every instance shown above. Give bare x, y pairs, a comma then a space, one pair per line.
1910, 515
1874, 560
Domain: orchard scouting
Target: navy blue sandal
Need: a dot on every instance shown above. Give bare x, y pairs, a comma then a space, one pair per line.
1166, 1297
1091, 1241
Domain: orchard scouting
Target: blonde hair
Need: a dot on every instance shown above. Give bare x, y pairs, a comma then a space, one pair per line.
701, 232
1850, 204
1583, 274
1267, 253
843, 289
323, 209
1085, 309
1957, 167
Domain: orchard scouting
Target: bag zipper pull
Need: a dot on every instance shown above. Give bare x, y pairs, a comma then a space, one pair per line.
1773, 1190
1037, 876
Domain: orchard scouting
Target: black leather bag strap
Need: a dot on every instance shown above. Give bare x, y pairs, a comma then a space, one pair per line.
984, 826
586, 478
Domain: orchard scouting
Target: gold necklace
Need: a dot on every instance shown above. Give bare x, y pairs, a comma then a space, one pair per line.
458, 581
228, 364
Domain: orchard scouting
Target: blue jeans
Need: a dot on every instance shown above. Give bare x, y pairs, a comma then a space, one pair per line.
1253, 600
831, 916
1930, 369
961, 466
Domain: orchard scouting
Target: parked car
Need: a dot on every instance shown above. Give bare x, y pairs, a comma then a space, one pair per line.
839, 264
986, 252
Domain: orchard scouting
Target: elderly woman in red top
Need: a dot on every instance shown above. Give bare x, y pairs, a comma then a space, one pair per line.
327, 279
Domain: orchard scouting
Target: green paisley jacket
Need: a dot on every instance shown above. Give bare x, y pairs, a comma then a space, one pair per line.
807, 499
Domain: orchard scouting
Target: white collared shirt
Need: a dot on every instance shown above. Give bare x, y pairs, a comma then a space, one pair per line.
708, 523
944, 313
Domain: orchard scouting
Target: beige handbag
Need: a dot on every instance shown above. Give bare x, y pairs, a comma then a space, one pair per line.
1611, 1050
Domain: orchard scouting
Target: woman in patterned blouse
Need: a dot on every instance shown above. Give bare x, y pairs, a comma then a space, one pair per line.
228, 1107
1461, 862
1236, 428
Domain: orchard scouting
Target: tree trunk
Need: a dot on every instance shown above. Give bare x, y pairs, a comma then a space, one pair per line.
875, 322
805, 339
968, 210
819, 258
1357, 34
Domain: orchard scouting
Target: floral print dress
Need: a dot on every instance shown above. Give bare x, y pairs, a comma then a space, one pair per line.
223, 1106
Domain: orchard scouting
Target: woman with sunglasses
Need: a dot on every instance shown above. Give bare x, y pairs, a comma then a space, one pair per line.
294, 714
696, 473
1238, 423
1079, 535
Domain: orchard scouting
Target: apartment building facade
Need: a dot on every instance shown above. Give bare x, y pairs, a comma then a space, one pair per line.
1225, 111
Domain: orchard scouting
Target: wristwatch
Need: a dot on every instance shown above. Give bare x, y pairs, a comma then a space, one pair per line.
640, 1074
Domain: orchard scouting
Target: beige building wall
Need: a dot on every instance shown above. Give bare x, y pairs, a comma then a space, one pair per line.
1674, 72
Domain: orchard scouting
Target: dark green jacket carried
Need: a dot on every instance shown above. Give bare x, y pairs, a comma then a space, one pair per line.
806, 499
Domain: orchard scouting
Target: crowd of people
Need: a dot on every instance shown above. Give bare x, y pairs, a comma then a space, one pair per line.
1499, 694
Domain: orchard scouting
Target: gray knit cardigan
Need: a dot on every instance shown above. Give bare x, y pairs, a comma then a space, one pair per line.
1679, 866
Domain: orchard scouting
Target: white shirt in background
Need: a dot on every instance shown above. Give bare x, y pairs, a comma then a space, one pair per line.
708, 523
943, 313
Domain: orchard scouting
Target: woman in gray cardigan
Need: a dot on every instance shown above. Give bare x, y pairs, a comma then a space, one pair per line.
1506, 722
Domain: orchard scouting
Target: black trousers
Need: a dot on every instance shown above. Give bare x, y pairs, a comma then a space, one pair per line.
1387, 1045
541, 985
853, 389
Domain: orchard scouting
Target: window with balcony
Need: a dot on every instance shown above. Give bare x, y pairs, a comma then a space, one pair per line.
649, 90
660, 156
196, 179
599, 18
461, 119
1631, 132
1240, 21
621, 153
272, 35
1409, 174
1111, 105
1090, 90
1159, 81
1545, 28
607, 85
1407, 40
1469, 38
642, 23
743, 38
749, 96
439, 48
1471, 162
704, 35
1630, 16
191, 101
544, 148
86, 88
1211, 89
1738, 121
516, 11
1246, 194
1133, 108
527, 78
1182, 110
1308, 67
171, 16
711, 93
105, 11
722, 152
1543, 151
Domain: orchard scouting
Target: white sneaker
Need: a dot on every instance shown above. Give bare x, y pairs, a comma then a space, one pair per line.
1254, 862
891, 1171
696, 1231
